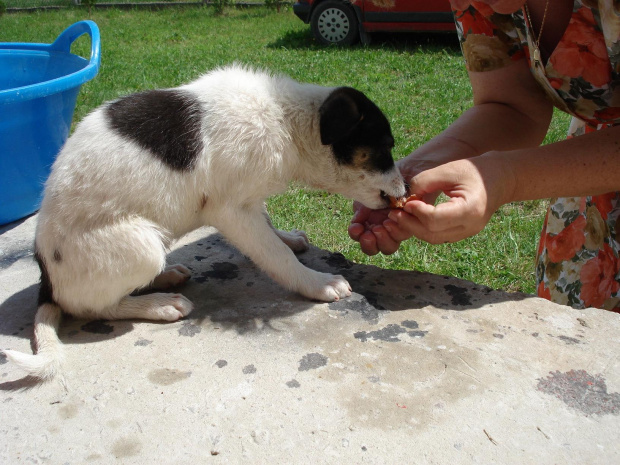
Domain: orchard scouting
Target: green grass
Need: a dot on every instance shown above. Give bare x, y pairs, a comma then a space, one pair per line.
418, 80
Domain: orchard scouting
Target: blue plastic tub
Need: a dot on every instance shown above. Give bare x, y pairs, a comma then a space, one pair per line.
39, 84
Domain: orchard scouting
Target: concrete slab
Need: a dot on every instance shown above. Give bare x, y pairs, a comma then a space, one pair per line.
413, 368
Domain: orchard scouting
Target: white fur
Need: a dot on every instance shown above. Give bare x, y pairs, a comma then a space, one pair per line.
112, 211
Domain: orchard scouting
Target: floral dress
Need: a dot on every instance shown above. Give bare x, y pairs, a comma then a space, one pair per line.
577, 262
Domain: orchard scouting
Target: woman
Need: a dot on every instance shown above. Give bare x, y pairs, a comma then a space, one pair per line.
523, 58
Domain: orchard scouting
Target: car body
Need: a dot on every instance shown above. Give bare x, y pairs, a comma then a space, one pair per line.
343, 22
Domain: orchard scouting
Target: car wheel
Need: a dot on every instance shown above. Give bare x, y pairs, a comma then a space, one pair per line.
333, 22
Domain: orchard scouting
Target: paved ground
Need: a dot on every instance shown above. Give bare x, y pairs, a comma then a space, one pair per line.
413, 368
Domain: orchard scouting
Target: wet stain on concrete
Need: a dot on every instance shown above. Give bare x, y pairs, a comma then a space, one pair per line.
410, 324
293, 383
569, 340
249, 370
3, 359
581, 391
460, 295
189, 330
98, 327
68, 411
221, 363
220, 270
387, 334
126, 447
363, 307
312, 362
337, 260
167, 376
142, 342
391, 332
583, 322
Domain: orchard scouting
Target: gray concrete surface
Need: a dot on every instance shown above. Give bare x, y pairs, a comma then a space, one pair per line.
413, 368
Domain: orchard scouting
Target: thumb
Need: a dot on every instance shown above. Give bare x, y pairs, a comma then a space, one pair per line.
433, 180
360, 213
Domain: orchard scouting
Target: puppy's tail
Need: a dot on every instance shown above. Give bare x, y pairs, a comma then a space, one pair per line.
46, 364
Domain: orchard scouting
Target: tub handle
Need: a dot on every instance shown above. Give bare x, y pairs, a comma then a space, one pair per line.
66, 38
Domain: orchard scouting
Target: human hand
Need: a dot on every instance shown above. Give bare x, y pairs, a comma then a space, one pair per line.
476, 188
369, 227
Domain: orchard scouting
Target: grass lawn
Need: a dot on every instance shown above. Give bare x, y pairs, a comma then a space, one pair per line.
418, 80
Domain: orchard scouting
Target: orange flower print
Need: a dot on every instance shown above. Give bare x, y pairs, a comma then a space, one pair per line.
582, 51
598, 278
608, 115
603, 203
556, 83
473, 22
564, 245
541, 241
543, 291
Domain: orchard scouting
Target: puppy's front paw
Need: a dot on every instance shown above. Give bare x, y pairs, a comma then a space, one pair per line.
330, 288
173, 307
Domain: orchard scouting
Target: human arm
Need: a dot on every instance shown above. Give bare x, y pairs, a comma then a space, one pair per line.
585, 165
510, 112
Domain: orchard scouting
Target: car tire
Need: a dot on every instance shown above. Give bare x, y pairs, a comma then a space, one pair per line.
334, 23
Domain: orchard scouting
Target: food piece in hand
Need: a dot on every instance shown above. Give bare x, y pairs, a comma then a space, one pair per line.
399, 202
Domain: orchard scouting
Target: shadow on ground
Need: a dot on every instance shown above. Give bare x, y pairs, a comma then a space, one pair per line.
228, 290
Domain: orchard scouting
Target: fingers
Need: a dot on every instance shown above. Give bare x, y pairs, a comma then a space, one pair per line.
443, 216
374, 240
385, 243
435, 225
356, 230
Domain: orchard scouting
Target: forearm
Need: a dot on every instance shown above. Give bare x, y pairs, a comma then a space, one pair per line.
480, 129
584, 165
510, 112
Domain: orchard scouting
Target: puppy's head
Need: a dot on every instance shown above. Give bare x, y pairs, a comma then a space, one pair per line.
361, 141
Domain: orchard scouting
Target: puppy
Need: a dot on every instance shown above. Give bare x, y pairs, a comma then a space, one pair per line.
141, 171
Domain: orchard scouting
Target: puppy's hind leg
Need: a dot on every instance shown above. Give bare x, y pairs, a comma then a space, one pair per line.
157, 306
172, 276
126, 257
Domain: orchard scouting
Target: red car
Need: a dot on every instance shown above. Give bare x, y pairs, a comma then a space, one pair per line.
342, 22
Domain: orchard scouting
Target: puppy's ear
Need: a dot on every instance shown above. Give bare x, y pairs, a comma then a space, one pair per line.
340, 113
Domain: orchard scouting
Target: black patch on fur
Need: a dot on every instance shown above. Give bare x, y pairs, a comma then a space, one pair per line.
57, 256
350, 122
165, 122
46, 293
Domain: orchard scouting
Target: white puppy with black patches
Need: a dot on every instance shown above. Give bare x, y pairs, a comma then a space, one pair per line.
141, 171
